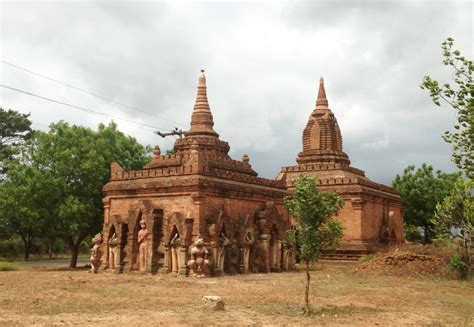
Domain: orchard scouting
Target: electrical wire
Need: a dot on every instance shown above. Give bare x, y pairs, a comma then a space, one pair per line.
81, 108
88, 92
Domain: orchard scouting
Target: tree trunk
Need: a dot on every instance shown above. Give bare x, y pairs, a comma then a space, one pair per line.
426, 236
27, 242
74, 247
467, 251
306, 293
50, 248
74, 254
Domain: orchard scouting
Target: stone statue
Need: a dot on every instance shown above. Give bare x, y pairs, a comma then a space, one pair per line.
96, 253
175, 245
225, 244
113, 249
199, 261
249, 240
142, 246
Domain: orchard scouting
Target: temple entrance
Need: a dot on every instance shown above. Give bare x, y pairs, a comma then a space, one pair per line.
156, 256
232, 256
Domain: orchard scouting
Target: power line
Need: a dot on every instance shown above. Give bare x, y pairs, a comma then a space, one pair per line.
39, 124
88, 92
80, 108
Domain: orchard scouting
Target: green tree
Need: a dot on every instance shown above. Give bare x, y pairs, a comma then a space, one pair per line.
26, 203
421, 189
315, 229
74, 163
457, 210
459, 96
14, 129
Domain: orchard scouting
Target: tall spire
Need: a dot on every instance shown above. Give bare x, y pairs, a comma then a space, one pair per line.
322, 101
202, 120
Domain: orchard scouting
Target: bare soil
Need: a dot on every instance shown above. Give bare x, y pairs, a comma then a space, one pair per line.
57, 296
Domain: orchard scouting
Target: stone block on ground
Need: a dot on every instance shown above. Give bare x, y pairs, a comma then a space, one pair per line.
214, 303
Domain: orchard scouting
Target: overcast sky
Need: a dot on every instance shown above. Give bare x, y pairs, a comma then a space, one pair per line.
263, 62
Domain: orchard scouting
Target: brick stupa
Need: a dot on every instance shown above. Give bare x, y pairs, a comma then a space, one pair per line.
372, 214
198, 191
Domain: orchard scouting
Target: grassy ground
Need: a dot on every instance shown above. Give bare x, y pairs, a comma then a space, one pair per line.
8, 266
51, 296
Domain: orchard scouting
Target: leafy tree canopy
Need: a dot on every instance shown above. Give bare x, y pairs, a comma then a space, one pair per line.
73, 163
14, 129
421, 189
457, 210
459, 94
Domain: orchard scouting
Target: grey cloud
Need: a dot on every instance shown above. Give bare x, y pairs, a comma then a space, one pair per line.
263, 63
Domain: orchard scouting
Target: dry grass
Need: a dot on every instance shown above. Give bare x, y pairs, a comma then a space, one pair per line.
339, 297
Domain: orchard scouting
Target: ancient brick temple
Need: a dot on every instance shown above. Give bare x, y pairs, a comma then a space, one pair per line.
372, 214
154, 215
198, 191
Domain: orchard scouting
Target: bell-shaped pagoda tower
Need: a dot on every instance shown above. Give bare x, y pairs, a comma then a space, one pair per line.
372, 214
322, 140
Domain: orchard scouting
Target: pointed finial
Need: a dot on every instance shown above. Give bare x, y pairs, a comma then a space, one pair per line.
322, 101
201, 120
202, 79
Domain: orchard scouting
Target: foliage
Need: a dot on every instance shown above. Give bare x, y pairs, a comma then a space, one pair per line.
12, 248
26, 200
14, 129
458, 263
366, 258
65, 169
412, 233
457, 210
315, 229
8, 266
421, 189
461, 98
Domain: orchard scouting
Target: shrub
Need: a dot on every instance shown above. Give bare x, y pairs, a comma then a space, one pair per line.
458, 263
412, 233
12, 248
366, 258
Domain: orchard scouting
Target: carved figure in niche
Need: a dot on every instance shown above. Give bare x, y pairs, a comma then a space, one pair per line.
286, 255
96, 253
199, 261
113, 252
175, 245
249, 240
225, 244
142, 246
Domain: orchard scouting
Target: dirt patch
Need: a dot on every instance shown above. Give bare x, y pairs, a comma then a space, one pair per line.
406, 264
48, 296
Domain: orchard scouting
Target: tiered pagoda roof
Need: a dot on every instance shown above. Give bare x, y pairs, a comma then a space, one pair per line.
323, 154
199, 152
